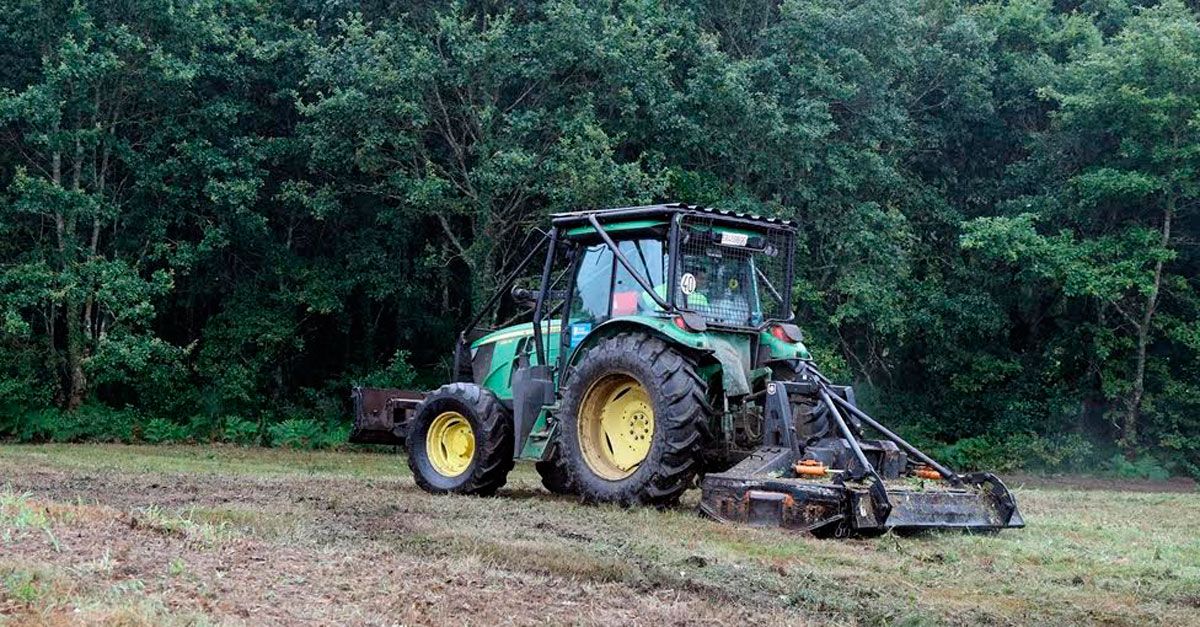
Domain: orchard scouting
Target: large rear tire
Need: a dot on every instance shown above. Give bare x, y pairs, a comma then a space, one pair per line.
460, 441
634, 414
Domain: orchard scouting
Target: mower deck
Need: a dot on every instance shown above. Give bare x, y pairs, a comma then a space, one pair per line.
757, 492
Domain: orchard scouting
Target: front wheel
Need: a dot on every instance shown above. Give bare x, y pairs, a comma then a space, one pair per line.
633, 417
460, 441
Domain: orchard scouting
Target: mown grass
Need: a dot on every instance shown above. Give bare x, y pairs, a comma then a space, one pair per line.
1102, 557
224, 460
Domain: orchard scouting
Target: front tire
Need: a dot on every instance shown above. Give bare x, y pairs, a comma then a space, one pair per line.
460, 441
634, 413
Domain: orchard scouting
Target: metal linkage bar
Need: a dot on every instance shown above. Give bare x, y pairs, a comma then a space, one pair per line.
541, 296
459, 349
880, 502
508, 281
953, 477
950, 475
866, 467
808, 366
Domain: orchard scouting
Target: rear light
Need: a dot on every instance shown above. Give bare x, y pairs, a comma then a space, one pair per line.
691, 322
789, 333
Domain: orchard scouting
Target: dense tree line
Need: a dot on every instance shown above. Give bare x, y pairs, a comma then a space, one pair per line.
217, 215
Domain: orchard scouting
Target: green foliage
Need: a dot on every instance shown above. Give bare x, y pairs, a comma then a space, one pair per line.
308, 434
1020, 451
397, 374
88, 423
238, 430
1142, 468
161, 431
229, 212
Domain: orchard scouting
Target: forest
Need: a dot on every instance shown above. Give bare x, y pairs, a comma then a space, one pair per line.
216, 216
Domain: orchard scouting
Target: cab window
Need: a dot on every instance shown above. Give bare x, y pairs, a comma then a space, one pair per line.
648, 257
590, 302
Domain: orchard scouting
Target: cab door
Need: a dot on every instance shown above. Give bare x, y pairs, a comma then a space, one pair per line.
605, 289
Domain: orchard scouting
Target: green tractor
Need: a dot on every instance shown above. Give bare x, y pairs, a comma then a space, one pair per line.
657, 351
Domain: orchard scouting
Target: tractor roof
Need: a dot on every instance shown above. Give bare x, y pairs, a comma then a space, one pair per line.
667, 211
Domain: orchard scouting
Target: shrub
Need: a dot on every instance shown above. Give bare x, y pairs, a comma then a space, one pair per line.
161, 431
1067, 452
398, 374
303, 433
975, 453
1144, 467
238, 430
1019, 451
90, 422
297, 433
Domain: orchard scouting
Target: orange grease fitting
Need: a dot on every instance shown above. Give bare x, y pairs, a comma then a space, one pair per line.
810, 468
926, 472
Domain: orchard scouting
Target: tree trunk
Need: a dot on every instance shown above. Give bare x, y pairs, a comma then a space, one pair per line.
77, 388
1095, 421
1137, 394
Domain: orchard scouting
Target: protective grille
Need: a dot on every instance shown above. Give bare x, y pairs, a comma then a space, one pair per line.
731, 275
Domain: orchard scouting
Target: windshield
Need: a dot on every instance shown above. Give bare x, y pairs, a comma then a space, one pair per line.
720, 284
732, 277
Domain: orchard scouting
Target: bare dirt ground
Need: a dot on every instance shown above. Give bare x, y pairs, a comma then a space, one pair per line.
200, 535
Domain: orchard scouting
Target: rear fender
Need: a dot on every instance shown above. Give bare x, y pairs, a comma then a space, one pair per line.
732, 353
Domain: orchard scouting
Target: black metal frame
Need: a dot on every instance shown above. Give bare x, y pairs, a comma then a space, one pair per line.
666, 211
685, 211
837, 405
674, 215
547, 268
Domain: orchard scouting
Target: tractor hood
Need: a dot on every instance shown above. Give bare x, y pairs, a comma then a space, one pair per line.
516, 332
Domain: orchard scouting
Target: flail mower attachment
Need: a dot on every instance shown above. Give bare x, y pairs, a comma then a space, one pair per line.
832, 481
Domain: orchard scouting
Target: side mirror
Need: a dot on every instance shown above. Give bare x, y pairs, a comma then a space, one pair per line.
523, 296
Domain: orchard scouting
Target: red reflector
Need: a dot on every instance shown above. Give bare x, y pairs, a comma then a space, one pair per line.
780, 334
681, 324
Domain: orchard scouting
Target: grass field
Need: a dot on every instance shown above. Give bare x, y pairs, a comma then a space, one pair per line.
197, 535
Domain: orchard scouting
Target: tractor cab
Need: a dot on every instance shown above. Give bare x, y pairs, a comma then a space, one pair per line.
719, 274
666, 261
713, 280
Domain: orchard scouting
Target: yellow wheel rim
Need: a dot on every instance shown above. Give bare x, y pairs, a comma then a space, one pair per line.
615, 426
450, 444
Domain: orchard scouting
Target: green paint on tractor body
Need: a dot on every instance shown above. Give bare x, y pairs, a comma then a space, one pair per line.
727, 353
506, 345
